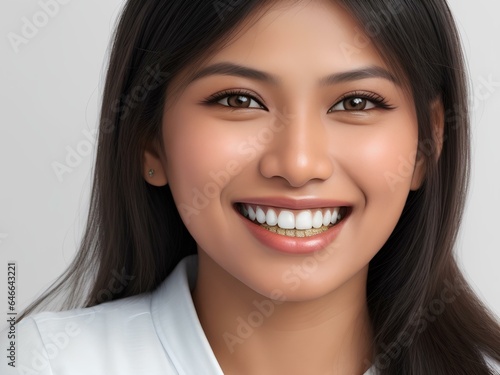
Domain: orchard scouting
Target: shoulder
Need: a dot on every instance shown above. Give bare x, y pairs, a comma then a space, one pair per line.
154, 333
117, 335
106, 319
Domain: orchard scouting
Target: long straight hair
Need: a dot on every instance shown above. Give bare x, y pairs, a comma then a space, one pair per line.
426, 319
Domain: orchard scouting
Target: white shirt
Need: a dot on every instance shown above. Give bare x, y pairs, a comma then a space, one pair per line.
153, 333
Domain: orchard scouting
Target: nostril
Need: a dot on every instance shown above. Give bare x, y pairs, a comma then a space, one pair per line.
296, 169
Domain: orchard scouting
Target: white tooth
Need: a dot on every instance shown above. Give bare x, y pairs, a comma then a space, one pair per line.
335, 215
260, 215
327, 217
251, 213
271, 218
317, 220
304, 220
244, 210
286, 220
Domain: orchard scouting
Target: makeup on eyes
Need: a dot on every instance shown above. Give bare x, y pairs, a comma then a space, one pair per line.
362, 99
378, 101
215, 98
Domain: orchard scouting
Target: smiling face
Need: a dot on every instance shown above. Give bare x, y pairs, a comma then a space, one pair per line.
290, 159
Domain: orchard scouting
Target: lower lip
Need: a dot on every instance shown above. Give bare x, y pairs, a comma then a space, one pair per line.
294, 245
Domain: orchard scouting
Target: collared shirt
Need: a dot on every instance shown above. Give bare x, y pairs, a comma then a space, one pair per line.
152, 333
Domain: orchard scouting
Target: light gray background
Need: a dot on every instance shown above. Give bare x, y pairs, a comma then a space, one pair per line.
49, 97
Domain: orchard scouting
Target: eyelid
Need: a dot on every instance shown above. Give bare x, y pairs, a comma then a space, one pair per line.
215, 98
378, 101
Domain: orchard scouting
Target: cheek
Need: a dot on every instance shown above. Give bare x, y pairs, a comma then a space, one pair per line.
202, 157
381, 160
390, 164
378, 162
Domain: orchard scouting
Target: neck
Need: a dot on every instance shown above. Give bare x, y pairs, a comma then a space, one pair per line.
252, 334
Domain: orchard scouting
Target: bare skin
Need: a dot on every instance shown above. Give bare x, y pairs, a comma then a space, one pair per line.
266, 311
328, 335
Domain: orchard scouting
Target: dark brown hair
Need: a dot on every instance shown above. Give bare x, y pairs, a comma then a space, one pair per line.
426, 319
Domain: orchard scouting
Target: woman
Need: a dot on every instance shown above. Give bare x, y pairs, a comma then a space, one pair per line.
313, 155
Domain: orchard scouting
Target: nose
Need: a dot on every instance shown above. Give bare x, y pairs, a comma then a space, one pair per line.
299, 153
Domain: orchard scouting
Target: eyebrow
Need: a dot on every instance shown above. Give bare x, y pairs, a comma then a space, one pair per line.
230, 69
358, 74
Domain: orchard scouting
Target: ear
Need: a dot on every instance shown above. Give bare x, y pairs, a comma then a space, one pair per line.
154, 172
437, 120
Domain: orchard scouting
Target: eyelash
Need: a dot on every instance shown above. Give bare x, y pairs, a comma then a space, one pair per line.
377, 100
213, 99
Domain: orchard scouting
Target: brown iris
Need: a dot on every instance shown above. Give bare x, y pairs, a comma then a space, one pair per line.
239, 101
355, 104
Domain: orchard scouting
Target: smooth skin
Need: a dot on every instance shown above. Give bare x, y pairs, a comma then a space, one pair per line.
289, 137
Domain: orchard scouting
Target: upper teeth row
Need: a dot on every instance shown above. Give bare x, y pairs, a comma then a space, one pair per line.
305, 219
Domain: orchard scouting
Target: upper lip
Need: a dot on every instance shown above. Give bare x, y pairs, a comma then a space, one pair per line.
294, 203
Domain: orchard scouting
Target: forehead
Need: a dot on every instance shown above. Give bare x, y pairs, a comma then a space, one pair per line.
300, 36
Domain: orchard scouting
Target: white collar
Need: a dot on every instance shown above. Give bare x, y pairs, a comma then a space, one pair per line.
179, 328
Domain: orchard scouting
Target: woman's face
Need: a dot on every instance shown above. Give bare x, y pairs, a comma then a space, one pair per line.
299, 124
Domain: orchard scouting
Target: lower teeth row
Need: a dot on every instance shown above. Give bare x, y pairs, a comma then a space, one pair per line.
295, 232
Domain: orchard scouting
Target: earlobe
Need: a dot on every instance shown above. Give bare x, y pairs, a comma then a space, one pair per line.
153, 170
437, 119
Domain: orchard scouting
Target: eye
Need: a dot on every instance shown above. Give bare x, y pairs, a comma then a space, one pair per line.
353, 104
360, 102
234, 99
239, 101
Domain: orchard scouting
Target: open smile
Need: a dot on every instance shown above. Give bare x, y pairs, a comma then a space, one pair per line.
293, 223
